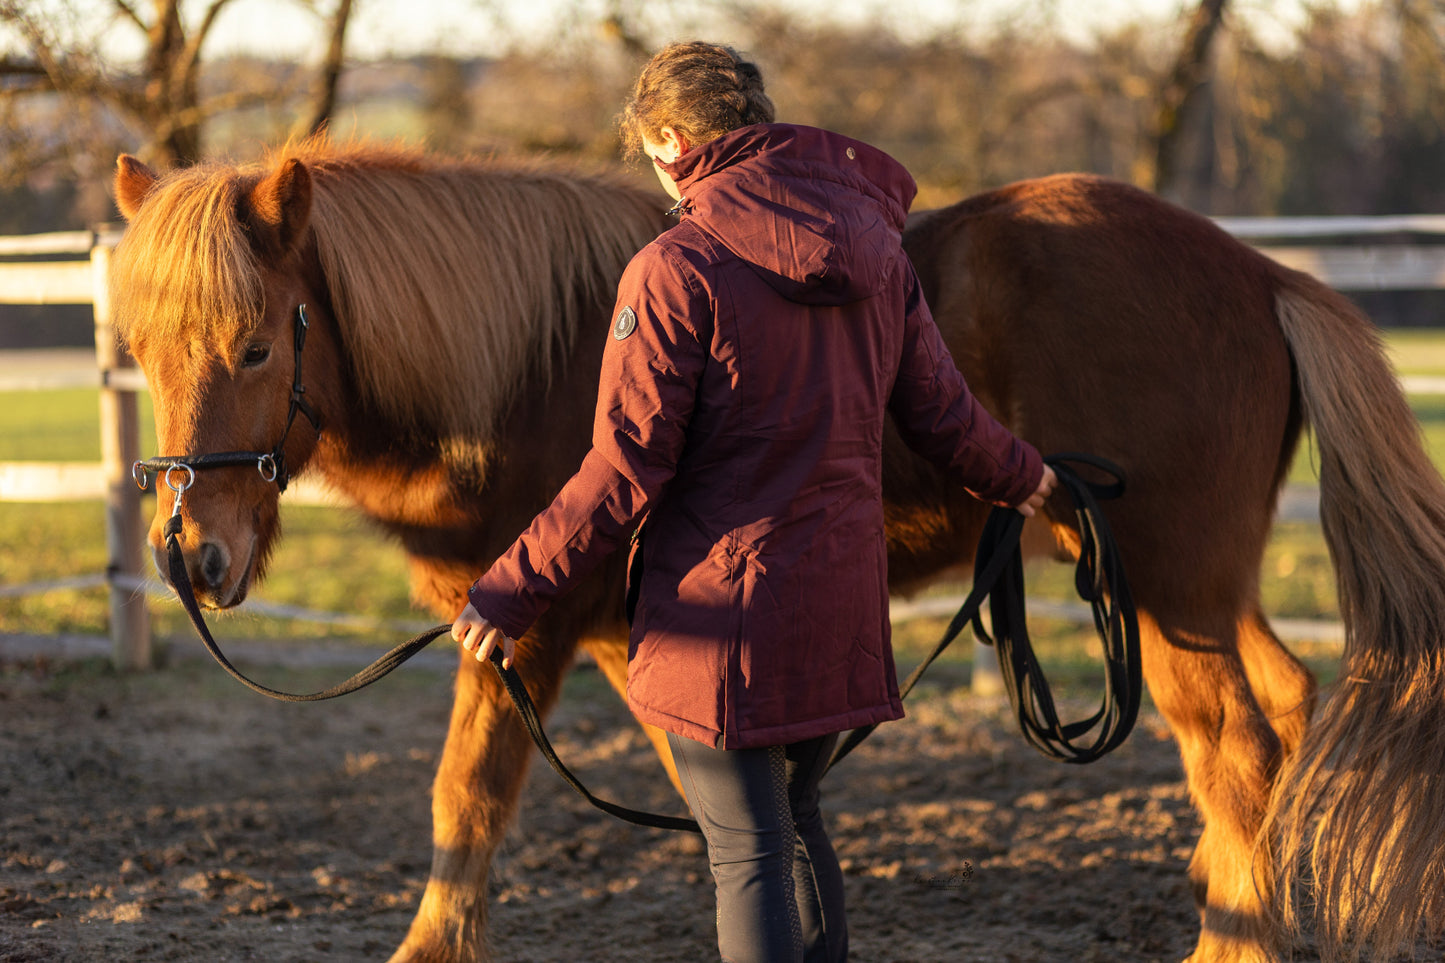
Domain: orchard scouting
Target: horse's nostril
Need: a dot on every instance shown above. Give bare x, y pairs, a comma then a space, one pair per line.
214, 564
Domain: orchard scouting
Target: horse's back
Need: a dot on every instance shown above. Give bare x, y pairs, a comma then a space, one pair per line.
1092, 316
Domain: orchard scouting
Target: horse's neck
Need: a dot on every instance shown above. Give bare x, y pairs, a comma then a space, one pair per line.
403, 489
463, 490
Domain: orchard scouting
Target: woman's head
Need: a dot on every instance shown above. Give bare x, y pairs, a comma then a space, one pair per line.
699, 90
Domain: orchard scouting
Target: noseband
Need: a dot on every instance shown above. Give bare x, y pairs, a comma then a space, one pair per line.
179, 474
270, 464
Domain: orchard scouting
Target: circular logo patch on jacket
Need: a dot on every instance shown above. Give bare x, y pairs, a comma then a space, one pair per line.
625, 324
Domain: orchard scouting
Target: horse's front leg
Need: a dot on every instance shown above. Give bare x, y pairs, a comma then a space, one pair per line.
474, 798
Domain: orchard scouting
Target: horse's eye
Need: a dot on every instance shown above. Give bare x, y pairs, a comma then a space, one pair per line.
256, 354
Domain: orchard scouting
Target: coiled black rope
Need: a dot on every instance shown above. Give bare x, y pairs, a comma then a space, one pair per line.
1099, 580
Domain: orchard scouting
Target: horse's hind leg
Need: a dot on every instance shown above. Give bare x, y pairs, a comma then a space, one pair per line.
1285, 691
1230, 755
474, 798
1284, 688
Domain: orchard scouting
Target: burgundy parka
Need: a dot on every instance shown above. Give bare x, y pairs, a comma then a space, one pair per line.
756, 349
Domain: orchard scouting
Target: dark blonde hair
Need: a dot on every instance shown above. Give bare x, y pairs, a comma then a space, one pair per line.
701, 90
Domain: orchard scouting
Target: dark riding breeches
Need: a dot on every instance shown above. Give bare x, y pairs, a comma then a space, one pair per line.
779, 888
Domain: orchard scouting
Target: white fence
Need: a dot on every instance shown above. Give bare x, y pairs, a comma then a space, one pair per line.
1392, 264
84, 281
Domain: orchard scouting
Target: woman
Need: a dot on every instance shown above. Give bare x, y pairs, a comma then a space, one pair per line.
756, 350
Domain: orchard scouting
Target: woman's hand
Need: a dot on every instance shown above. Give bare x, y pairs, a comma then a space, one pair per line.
476, 633
1034, 502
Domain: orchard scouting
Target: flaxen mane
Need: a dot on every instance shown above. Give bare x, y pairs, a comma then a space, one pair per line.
451, 281
184, 271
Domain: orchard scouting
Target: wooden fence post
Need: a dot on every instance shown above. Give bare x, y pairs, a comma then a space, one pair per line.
130, 628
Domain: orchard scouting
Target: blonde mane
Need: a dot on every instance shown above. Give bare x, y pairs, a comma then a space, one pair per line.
184, 272
452, 282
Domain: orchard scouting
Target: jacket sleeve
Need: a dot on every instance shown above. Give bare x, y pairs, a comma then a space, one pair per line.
940, 418
645, 399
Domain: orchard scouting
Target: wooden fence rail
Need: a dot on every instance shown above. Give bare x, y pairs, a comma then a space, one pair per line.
85, 282
81, 279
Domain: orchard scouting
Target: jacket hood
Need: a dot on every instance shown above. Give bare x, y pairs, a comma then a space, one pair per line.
818, 215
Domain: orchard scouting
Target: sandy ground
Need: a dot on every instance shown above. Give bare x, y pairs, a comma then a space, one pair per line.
177, 816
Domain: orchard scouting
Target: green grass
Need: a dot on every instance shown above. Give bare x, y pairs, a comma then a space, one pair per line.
59, 425
329, 561
332, 560
1417, 352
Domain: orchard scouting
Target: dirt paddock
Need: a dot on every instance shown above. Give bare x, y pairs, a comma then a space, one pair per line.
176, 816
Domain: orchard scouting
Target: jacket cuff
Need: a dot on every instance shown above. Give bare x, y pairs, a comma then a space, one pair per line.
1031, 473
505, 609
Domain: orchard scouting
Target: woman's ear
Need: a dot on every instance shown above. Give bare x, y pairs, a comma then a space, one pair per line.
674, 142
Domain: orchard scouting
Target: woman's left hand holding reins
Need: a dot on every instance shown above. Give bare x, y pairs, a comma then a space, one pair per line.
478, 635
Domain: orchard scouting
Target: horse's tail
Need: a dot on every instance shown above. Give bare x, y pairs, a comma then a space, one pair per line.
1357, 820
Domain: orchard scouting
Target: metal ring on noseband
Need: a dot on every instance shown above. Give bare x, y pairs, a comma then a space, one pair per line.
180, 489
267, 466
190, 477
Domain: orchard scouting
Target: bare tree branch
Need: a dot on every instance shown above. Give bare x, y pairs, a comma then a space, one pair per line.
185, 68
36, 38
11, 67
325, 98
195, 115
1190, 69
130, 13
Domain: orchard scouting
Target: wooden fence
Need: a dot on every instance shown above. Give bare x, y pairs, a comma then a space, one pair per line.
1392, 264
84, 282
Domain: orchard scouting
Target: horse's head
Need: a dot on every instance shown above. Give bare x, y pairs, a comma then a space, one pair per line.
206, 287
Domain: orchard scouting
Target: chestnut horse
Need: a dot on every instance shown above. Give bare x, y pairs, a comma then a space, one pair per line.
458, 313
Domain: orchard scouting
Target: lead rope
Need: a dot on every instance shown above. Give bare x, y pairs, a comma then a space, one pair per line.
526, 708
1099, 579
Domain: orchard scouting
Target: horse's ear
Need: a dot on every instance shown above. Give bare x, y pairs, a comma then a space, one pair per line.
282, 202
133, 181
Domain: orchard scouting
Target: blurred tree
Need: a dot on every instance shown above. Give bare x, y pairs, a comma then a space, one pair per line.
1179, 96
329, 76
1353, 120
1215, 105
63, 70
1413, 107
446, 104
960, 114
